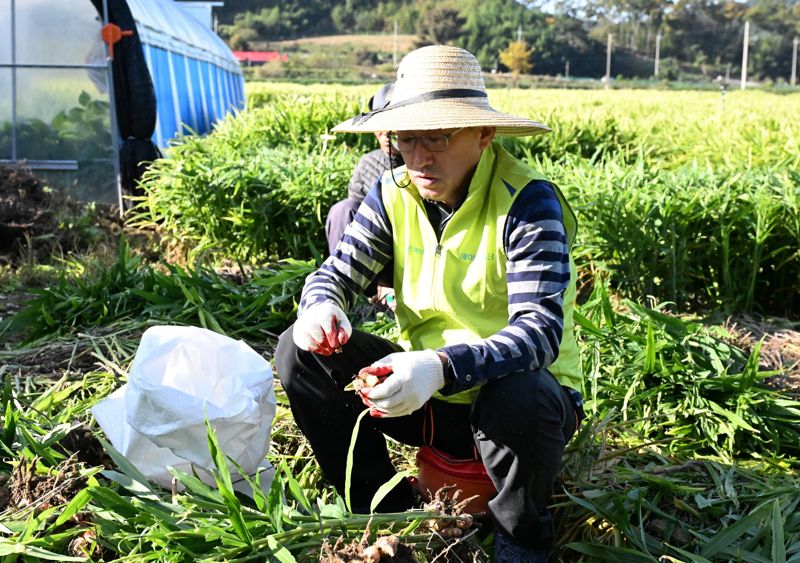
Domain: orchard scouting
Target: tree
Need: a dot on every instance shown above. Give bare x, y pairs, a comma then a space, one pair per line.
517, 58
440, 25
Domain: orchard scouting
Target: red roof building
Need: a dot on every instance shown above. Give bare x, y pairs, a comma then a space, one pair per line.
259, 57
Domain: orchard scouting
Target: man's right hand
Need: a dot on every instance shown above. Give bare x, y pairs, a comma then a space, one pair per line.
322, 328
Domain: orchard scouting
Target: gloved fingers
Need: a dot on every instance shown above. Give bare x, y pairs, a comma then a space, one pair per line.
320, 343
306, 337
323, 350
344, 328
374, 411
391, 385
343, 336
322, 329
386, 360
393, 404
331, 337
394, 413
379, 370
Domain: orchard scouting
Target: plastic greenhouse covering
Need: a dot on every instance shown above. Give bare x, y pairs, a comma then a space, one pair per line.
60, 113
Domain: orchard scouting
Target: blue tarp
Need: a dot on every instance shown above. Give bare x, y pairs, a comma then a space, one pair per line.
197, 79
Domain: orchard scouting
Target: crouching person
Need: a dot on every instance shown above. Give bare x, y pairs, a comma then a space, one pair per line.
485, 288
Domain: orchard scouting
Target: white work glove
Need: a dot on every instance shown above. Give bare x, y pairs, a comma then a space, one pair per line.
322, 328
415, 377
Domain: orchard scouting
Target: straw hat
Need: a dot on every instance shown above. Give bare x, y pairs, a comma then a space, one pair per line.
439, 87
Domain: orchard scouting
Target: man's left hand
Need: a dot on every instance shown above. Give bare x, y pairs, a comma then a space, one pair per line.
415, 377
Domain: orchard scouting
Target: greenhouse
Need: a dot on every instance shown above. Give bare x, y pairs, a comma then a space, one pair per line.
62, 116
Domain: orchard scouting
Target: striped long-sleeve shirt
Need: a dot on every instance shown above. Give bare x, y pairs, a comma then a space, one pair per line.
537, 274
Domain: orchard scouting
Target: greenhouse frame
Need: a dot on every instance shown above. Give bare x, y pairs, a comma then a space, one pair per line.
90, 90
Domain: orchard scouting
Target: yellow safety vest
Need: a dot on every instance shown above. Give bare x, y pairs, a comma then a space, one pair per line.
454, 291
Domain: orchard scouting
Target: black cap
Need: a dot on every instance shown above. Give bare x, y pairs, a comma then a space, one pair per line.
381, 97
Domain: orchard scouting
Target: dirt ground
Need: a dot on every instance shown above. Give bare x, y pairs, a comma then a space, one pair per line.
376, 41
25, 207
780, 349
37, 222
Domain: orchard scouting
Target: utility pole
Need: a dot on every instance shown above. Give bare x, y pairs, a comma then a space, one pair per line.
566, 70
793, 80
394, 52
658, 54
608, 63
744, 54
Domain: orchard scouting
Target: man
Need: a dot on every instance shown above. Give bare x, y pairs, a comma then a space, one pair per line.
368, 170
485, 289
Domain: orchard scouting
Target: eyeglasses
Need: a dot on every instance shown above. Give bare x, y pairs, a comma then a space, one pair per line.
435, 143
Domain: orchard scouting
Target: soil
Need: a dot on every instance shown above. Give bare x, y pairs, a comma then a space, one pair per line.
359, 551
82, 443
5, 492
780, 350
36, 221
57, 486
451, 537
24, 207
29, 489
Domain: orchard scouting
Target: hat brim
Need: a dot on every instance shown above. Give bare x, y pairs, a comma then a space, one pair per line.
441, 114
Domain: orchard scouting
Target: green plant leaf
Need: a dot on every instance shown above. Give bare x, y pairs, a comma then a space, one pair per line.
778, 546
295, 488
223, 477
138, 481
74, 506
9, 548
349, 467
280, 552
386, 488
727, 537
611, 553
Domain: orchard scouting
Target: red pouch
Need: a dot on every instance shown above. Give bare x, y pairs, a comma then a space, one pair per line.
437, 469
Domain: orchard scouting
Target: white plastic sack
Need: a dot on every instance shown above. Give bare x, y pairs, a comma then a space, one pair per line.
180, 376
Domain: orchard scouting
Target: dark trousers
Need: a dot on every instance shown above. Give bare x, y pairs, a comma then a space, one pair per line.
339, 216
519, 425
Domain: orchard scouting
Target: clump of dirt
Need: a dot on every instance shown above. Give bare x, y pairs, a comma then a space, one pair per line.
82, 443
58, 486
780, 350
386, 549
35, 220
29, 489
24, 205
5, 492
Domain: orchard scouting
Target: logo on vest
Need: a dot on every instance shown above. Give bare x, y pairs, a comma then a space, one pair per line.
470, 257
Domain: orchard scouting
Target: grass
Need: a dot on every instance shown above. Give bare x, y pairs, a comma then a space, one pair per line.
686, 205
683, 443
678, 197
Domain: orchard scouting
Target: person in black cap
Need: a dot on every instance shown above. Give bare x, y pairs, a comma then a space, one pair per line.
367, 172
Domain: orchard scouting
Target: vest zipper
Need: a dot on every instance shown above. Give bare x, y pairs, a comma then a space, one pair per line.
437, 283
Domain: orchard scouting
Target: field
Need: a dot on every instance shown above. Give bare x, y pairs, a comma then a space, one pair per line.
376, 41
689, 259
